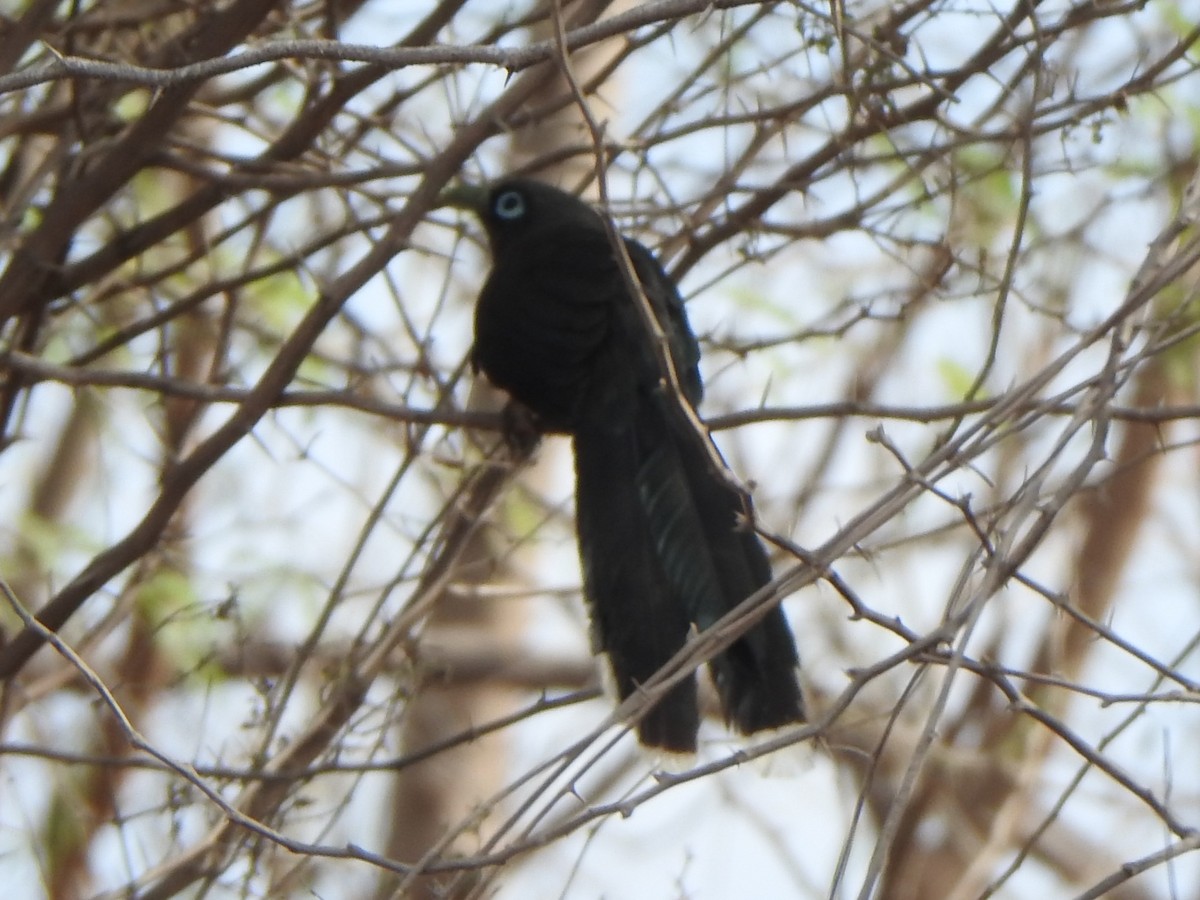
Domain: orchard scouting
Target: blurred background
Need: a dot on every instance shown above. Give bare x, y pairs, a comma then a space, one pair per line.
304, 627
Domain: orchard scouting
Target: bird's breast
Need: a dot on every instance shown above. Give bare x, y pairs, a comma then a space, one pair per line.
543, 330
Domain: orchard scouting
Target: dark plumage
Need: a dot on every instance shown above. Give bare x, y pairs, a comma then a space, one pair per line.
663, 533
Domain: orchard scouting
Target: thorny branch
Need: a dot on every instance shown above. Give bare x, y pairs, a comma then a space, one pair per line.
914, 254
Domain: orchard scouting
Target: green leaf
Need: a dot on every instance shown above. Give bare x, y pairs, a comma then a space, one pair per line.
957, 377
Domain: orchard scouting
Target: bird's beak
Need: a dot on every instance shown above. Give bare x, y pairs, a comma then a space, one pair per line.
473, 197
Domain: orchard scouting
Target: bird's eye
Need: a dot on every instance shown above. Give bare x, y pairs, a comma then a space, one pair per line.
509, 205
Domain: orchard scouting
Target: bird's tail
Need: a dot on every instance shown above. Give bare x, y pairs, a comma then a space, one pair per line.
637, 620
701, 523
666, 544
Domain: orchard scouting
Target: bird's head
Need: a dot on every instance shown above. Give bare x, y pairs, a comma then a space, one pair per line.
516, 208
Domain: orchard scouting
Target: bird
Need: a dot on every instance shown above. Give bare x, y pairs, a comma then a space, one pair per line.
665, 534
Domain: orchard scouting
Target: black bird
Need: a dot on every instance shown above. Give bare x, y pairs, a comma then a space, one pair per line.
664, 533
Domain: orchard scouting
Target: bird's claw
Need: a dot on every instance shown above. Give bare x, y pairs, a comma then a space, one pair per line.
522, 431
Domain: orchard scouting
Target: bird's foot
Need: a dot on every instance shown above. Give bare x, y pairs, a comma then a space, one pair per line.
522, 431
